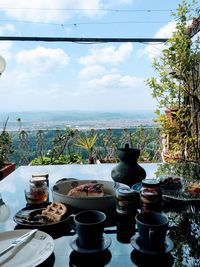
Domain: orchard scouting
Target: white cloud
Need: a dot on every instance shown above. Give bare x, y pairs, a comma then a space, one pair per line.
155, 50
115, 81
124, 1
113, 3
106, 79
41, 59
48, 10
115, 91
7, 28
5, 49
108, 55
166, 31
91, 71
5, 46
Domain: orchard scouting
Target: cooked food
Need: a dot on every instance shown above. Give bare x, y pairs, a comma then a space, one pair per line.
87, 190
55, 211
193, 188
171, 182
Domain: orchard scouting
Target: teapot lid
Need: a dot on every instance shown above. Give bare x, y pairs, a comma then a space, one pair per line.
127, 148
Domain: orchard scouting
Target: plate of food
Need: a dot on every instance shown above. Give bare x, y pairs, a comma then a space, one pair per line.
182, 191
49, 214
86, 194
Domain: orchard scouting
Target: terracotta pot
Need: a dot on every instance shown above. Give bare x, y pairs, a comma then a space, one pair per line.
170, 113
7, 169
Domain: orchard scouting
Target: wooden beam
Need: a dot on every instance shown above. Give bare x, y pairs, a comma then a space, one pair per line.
82, 40
194, 28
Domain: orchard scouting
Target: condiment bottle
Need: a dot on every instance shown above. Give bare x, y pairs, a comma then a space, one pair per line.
45, 175
126, 201
126, 208
39, 192
150, 195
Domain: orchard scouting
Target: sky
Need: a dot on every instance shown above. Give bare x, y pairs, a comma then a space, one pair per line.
81, 76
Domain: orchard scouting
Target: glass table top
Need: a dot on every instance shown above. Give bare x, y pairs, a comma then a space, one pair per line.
184, 228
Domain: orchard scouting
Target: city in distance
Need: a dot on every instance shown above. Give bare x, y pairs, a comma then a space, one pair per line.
35, 120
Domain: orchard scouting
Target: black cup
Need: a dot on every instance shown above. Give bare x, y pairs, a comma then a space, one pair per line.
152, 228
89, 226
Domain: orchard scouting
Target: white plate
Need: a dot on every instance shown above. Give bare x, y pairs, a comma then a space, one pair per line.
32, 253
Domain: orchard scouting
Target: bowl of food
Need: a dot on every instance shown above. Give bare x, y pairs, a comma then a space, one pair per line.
171, 182
86, 194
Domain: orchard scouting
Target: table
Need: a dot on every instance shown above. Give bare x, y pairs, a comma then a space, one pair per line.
187, 242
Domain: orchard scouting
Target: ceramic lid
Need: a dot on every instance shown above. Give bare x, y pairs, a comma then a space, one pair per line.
150, 183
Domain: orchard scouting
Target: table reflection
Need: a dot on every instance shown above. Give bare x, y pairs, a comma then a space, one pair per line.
187, 170
4, 211
185, 233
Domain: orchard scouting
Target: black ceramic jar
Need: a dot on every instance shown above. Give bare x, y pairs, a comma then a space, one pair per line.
128, 171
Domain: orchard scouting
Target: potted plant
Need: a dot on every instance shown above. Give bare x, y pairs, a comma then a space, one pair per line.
6, 167
87, 142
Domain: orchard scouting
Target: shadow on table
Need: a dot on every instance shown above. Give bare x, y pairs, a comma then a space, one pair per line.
90, 260
142, 260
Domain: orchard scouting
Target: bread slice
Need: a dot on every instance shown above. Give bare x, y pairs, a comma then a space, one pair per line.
87, 190
55, 211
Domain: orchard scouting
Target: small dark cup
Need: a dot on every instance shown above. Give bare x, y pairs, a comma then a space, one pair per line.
152, 228
89, 226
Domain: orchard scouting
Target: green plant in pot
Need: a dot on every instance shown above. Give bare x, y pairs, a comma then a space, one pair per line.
87, 142
6, 167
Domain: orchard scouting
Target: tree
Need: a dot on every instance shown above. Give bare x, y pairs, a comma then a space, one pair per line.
177, 86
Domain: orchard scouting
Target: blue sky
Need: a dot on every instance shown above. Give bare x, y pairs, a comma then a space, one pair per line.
67, 76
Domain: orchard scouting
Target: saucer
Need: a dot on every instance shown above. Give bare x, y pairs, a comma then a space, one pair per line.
135, 242
106, 242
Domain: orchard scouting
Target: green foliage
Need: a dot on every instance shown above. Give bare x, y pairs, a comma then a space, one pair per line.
148, 141
176, 63
176, 86
108, 140
87, 142
5, 146
73, 158
59, 144
106, 145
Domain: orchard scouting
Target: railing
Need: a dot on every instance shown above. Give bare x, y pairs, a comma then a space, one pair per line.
28, 145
